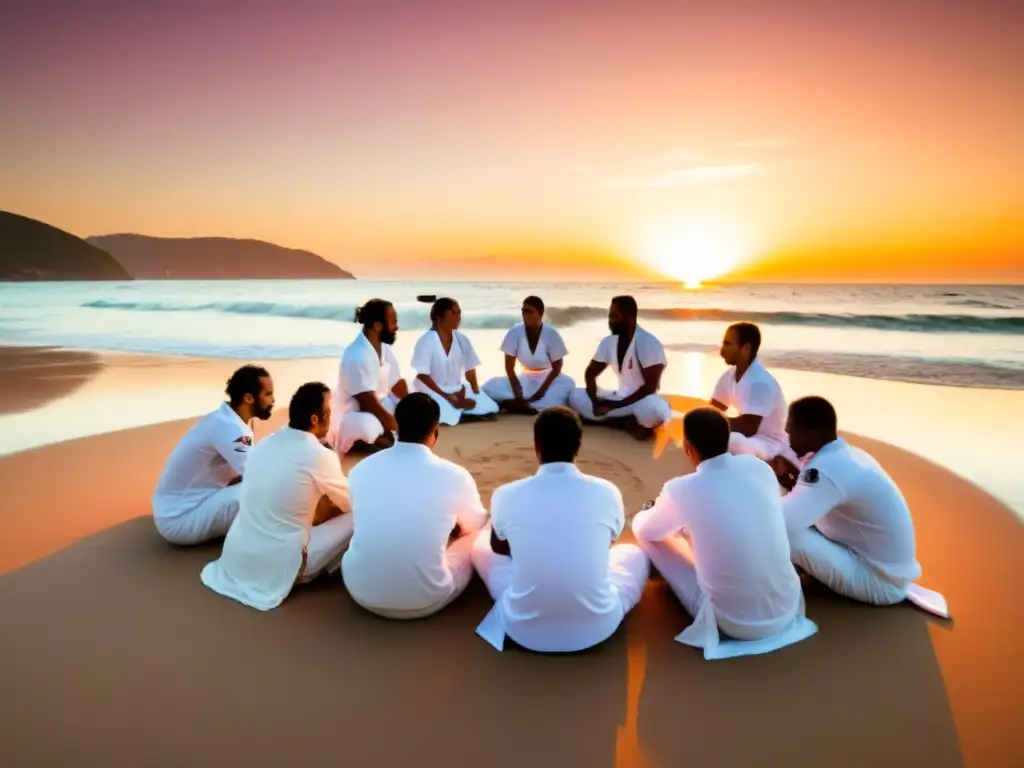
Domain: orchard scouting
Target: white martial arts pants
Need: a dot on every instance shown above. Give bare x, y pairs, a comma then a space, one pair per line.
361, 425
327, 543
764, 448
651, 412
450, 415
674, 559
628, 570
842, 570
499, 389
210, 520
460, 563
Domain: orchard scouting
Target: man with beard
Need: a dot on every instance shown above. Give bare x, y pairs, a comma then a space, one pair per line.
370, 383
197, 496
638, 360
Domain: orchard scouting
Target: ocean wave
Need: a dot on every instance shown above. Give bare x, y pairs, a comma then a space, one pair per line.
569, 316
915, 370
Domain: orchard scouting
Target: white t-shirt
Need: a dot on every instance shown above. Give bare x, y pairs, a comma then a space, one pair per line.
644, 351
210, 455
288, 472
406, 502
550, 347
845, 494
731, 513
758, 394
560, 525
447, 370
362, 370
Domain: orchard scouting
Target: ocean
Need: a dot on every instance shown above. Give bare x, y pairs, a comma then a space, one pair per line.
965, 336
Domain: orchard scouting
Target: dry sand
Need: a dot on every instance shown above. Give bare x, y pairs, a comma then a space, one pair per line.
115, 654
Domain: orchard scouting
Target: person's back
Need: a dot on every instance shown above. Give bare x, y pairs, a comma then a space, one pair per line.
406, 502
872, 517
566, 585
736, 529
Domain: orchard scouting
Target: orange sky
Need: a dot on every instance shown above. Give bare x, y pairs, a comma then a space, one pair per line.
877, 142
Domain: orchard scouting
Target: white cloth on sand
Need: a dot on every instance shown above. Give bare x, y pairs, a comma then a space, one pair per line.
405, 502
191, 501
644, 351
361, 370
288, 472
718, 538
565, 588
851, 529
536, 364
757, 393
448, 370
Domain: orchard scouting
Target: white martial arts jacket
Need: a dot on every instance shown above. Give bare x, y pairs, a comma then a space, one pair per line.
759, 394
644, 351
550, 348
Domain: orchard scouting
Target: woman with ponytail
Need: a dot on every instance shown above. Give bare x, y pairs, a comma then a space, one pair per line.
445, 364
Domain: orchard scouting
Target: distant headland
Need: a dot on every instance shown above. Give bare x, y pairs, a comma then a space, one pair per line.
32, 250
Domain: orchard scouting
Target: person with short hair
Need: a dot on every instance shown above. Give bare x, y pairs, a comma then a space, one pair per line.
638, 360
559, 581
294, 521
849, 525
197, 495
718, 538
415, 518
539, 348
370, 383
445, 364
747, 386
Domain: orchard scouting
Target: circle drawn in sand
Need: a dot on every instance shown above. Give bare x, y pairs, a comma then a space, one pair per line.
509, 461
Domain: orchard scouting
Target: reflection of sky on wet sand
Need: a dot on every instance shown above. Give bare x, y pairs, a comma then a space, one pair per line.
971, 431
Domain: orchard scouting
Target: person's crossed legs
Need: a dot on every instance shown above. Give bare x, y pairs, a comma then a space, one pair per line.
841, 569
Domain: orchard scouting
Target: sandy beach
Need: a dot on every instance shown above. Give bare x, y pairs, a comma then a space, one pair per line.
116, 654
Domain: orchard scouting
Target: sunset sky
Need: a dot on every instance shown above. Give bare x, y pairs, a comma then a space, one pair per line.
871, 141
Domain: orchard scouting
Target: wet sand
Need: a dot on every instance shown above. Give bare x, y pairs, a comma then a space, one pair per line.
116, 654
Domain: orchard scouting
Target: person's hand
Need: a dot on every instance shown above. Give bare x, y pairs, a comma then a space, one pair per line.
602, 408
467, 404
536, 396
785, 472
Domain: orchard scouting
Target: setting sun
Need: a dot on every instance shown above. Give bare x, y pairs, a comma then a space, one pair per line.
694, 251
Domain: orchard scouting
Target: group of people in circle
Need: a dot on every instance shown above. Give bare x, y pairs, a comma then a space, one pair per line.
778, 496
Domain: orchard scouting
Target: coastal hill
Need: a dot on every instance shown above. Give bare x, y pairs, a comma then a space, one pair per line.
32, 250
213, 258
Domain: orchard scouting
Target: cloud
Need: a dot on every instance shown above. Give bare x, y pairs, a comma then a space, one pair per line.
696, 174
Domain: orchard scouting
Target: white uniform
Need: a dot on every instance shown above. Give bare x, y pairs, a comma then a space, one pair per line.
536, 368
289, 471
644, 351
565, 587
719, 540
757, 393
362, 370
193, 502
405, 502
862, 542
449, 373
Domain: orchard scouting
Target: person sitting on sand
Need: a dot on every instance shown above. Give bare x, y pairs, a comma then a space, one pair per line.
760, 427
293, 524
197, 495
370, 383
718, 538
540, 350
445, 363
638, 360
549, 558
407, 504
849, 525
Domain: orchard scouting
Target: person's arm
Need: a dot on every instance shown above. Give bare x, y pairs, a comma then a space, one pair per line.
720, 406
330, 481
471, 360
595, 369
660, 521
652, 382
400, 389
720, 396
396, 383
368, 403
758, 405
471, 378
470, 512
234, 449
513, 380
556, 371
811, 499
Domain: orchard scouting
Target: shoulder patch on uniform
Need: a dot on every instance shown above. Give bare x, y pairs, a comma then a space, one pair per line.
244, 440
810, 476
